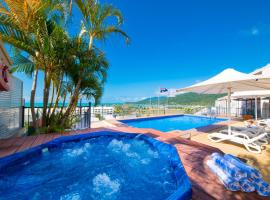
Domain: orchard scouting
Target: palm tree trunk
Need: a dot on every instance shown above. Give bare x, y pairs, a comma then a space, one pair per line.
51, 100
46, 92
72, 101
43, 123
32, 99
64, 102
91, 40
58, 92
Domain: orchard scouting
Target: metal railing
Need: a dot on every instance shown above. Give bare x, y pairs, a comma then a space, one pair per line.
239, 112
81, 117
84, 114
131, 111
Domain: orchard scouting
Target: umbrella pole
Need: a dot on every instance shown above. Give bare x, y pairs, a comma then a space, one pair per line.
229, 111
256, 109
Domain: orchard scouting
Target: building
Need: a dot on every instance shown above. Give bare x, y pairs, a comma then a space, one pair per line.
102, 110
11, 98
246, 103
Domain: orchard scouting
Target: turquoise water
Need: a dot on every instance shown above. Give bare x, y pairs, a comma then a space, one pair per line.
27, 104
180, 122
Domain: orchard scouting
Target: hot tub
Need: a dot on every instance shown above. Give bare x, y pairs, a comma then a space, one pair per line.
101, 165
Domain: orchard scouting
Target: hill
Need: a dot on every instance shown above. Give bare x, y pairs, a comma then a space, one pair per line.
185, 99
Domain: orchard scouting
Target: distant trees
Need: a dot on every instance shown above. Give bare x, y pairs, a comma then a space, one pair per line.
72, 65
186, 99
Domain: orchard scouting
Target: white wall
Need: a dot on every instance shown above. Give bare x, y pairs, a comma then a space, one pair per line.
11, 109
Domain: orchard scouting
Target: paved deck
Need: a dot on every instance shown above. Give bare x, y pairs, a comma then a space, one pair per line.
205, 185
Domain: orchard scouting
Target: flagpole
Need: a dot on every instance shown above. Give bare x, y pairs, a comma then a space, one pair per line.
168, 95
158, 102
150, 107
167, 102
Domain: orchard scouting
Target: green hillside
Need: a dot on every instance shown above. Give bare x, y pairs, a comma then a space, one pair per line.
185, 99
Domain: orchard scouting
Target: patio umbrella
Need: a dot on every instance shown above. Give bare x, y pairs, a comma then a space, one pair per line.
229, 81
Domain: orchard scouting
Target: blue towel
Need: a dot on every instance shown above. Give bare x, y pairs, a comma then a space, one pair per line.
228, 181
262, 187
236, 175
251, 172
247, 186
229, 168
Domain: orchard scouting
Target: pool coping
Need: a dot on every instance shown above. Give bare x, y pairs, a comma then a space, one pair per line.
184, 192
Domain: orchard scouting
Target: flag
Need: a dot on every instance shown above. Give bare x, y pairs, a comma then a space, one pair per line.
162, 90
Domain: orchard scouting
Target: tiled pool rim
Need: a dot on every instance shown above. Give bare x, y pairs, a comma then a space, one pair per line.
122, 121
183, 192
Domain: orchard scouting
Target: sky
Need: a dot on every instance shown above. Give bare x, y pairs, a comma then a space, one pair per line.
176, 43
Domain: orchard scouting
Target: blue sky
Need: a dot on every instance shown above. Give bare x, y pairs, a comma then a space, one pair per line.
176, 43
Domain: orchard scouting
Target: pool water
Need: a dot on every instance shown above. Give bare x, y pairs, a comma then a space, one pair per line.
102, 168
170, 123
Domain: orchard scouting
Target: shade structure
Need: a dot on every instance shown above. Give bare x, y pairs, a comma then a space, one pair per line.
229, 78
252, 94
229, 81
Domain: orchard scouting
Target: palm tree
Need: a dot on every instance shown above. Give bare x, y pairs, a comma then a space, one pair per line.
25, 24
95, 24
87, 70
95, 27
71, 66
16, 29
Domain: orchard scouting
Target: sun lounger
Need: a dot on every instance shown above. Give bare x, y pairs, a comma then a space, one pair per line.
264, 122
251, 132
256, 129
250, 143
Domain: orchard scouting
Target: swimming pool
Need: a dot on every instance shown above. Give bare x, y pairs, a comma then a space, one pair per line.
170, 123
96, 166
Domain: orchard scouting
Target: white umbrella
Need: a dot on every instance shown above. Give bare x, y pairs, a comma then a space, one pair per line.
251, 94
229, 81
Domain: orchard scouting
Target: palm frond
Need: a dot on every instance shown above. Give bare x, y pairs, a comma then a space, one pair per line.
96, 23
23, 12
112, 29
22, 64
107, 11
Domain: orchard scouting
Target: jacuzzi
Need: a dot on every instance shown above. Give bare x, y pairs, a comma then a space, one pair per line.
101, 165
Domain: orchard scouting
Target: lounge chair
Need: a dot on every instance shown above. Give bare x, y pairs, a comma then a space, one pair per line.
256, 129
250, 132
264, 122
250, 143
253, 130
